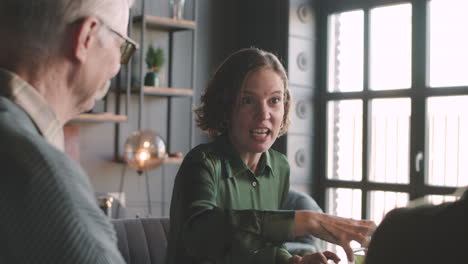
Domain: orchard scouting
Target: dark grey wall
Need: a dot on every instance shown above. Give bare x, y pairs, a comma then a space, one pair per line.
217, 37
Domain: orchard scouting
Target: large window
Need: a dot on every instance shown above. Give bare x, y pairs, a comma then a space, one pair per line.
394, 105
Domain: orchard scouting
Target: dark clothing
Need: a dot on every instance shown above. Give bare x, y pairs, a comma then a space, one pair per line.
426, 234
222, 212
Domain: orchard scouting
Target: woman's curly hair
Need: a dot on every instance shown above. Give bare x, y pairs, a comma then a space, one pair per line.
224, 88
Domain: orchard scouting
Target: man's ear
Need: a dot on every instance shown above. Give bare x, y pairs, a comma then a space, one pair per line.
85, 35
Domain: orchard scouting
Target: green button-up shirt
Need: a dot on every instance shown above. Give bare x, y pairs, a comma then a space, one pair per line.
222, 212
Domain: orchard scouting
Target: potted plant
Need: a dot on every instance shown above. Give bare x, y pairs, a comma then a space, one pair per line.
154, 61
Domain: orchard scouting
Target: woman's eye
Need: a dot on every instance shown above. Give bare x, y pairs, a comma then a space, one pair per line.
276, 100
246, 100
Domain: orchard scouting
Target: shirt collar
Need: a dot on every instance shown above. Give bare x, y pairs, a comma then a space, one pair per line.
24, 95
233, 163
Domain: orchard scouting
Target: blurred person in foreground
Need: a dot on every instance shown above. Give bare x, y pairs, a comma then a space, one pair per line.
227, 194
55, 55
429, 234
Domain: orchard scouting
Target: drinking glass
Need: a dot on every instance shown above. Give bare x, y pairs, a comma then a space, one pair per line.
359, 256
177, 8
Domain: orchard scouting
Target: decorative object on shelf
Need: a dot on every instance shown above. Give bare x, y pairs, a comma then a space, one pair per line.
177, 8
144, 150
154, 61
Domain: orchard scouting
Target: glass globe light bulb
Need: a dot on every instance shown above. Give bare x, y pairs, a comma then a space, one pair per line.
144, 150
143, 155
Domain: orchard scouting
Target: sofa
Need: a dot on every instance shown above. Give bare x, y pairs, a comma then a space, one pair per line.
144, 240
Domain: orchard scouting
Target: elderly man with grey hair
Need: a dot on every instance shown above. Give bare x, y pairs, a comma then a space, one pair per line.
55, 55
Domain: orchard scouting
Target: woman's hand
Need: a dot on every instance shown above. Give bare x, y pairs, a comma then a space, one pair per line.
316, 258
334, 229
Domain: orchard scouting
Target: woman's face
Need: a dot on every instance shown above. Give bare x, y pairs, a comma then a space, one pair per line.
256, 118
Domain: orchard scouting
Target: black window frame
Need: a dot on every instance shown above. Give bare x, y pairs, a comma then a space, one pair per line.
418, 93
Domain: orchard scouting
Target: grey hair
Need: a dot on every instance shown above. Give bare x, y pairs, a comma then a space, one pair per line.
38, 26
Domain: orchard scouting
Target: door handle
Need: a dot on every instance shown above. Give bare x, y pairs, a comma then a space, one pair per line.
417, 161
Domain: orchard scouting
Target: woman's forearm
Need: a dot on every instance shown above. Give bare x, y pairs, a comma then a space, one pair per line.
334, 229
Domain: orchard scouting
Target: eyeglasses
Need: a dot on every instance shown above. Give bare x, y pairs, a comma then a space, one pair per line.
127, 48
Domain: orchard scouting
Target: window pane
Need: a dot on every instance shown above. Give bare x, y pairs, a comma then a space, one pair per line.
432, 200
345, 51
390, 47
448, 42
448, 143
344, 140
389, 147
345, 203
382, 202
438, 199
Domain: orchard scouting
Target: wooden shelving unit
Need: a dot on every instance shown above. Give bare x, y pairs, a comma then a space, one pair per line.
165, 23
172, 28
100, 118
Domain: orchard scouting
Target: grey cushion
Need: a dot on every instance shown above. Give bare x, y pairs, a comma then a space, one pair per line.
142, 240
306, 244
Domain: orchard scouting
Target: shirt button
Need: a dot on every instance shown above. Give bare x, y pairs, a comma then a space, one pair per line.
254, 184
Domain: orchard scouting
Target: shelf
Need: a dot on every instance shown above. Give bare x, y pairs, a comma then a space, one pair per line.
173, 160
168, 160
165, 23
161, 91
99, 118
